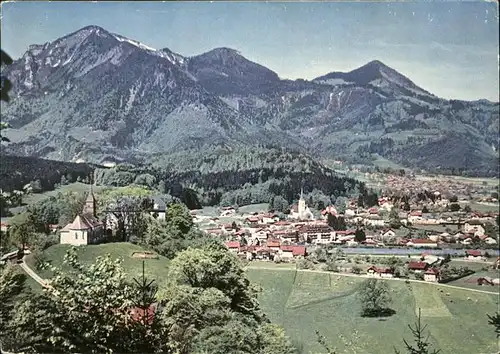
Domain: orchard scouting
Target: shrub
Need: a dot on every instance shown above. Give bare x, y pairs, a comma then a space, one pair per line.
304, 264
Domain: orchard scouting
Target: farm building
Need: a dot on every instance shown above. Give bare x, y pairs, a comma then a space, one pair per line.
418, 267
380, 272
431, 275
488, 281
474, 254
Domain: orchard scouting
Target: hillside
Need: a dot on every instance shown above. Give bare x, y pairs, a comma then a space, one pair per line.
17, 171
242, 176
305, 302
154, 268
99, 96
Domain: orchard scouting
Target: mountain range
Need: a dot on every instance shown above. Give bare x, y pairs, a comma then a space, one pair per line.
99, 97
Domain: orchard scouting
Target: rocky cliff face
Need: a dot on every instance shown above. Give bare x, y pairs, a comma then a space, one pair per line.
96, 96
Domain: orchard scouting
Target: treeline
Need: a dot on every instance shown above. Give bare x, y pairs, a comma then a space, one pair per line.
44, 175
236, 177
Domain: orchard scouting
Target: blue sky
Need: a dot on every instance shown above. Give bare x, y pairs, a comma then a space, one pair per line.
448, 48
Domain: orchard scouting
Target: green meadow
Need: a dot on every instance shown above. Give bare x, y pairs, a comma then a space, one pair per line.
303, 302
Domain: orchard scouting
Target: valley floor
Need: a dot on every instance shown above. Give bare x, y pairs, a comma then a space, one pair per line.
306, 301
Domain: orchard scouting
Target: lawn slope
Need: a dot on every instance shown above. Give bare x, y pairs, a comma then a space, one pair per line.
305, 302
154, 268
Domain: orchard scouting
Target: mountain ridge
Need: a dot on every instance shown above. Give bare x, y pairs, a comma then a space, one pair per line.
97, 95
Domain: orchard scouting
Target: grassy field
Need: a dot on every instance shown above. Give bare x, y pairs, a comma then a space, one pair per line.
305, 302
484, 208
253, 208
470, 282
154, 268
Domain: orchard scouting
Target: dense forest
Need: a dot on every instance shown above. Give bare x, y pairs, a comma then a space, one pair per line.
246, 176
214, 177
17, 171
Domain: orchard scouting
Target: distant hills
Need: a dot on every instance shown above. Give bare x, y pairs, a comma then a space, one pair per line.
97, 96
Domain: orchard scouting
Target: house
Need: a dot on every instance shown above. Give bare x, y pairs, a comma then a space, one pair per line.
253, 221
259, 234
387, 233
431, 259
431, 275
289, 252
418, 242
373, 220
475, 227
269, 218
286, 235
86, 228
264, 253
488, 281
329, 210
159, 208
415, 216
349, 213
233, 246
11, 256
474, 254
490, 241
273, 245
417, 266
379, 272
4, 226
227, 211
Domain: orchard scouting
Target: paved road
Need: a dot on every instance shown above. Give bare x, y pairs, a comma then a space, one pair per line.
365, 276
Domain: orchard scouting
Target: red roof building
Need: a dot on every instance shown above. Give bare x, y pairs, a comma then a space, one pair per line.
273, 243
432, 271
296, 250
474, 253
233, 244
329, 210
417, 265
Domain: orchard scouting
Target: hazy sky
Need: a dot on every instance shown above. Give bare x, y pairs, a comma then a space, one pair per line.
448, 48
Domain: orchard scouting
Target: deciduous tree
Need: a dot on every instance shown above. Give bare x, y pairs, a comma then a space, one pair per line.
375, 298
87, 309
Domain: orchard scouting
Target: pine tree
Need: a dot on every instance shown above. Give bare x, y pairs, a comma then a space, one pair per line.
421, 341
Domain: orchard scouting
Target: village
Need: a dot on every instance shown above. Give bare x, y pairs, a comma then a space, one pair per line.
421, 237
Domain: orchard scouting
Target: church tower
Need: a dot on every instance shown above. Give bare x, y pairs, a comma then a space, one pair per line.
90, 207
302, 204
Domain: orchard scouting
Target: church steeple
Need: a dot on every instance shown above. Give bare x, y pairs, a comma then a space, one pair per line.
90, 203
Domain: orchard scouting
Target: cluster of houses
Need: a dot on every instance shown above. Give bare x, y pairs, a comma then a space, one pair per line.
430, 274
441, 186
269, 250
259, 227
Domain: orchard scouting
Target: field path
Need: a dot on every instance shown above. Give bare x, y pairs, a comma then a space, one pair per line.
33, 274
367, 277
